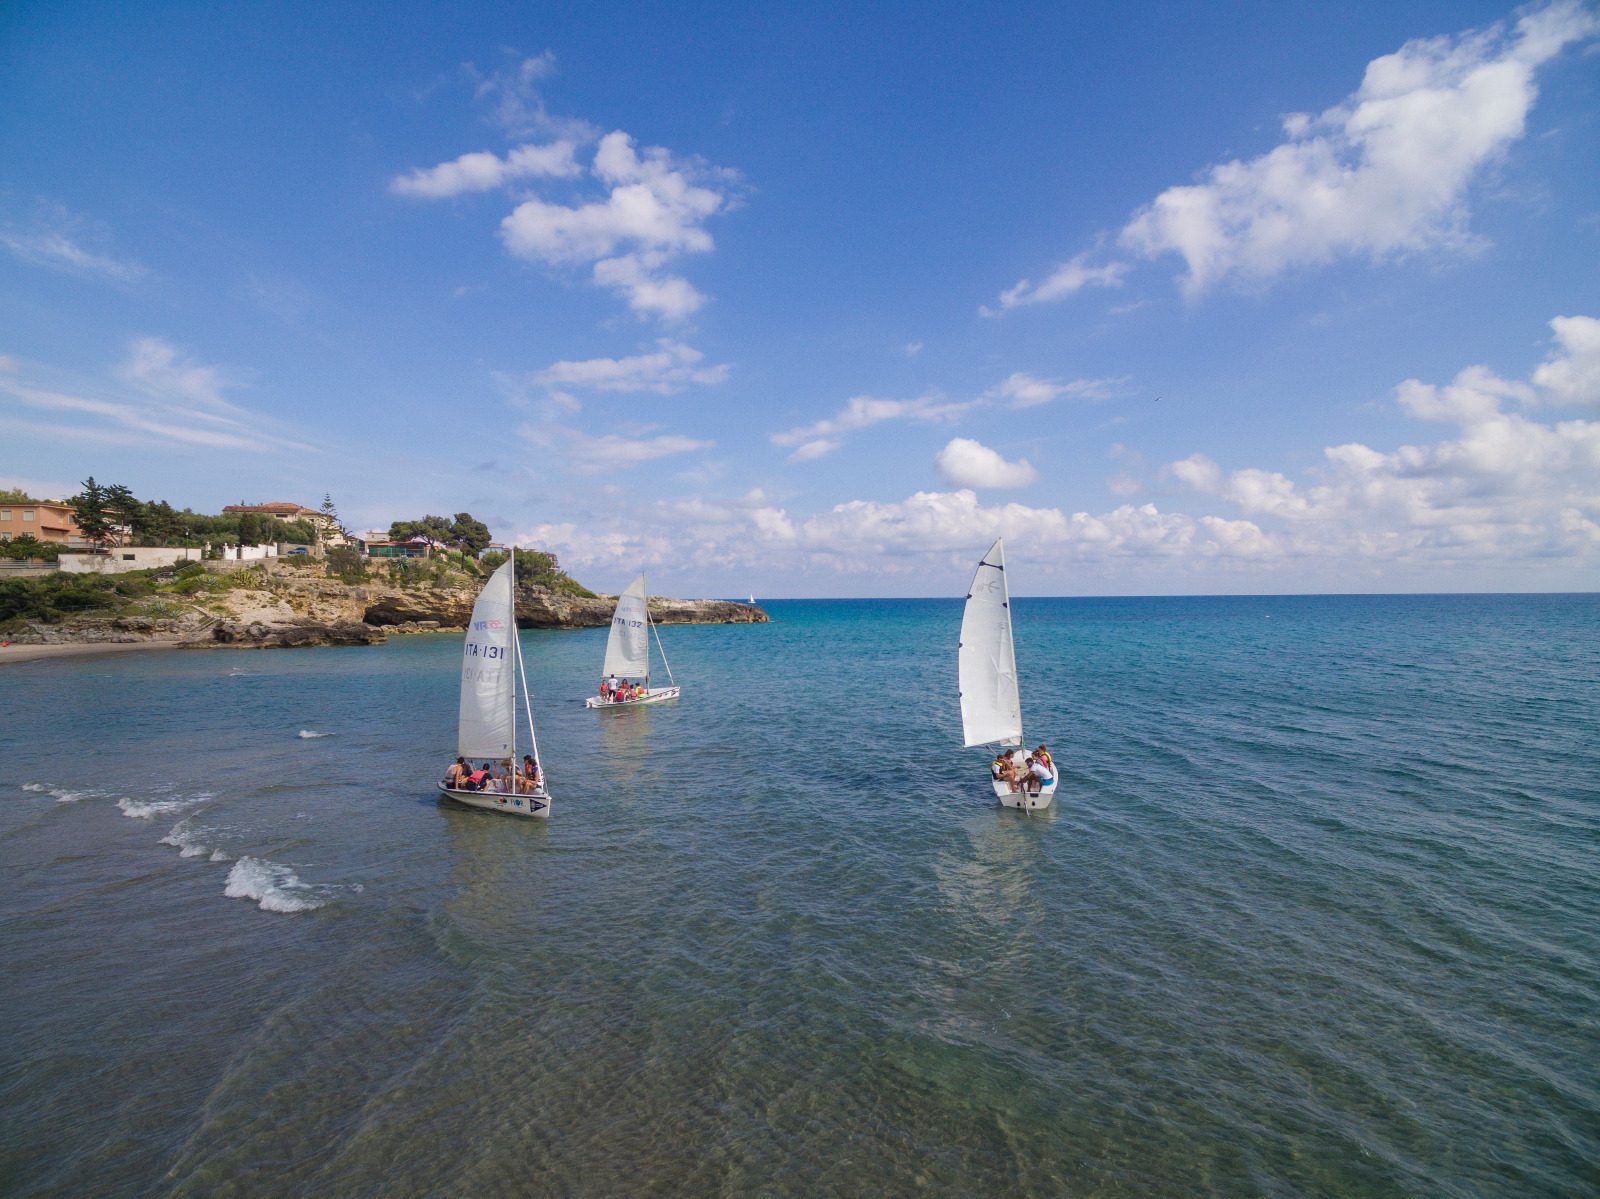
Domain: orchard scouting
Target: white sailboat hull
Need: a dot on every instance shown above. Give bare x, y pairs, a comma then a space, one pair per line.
1020, 797
653, 696
534, 803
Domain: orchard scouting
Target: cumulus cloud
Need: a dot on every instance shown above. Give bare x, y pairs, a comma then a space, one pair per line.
1383, 174
1504, 487
860, 412
635, 213
654, 210
164, 400
967, 463
671, 368
1500, 497
485, 170
1571, 377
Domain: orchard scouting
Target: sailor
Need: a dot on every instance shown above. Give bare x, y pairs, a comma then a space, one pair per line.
456, 772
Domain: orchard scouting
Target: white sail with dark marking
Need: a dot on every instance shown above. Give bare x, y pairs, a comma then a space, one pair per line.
488, 696
628, 646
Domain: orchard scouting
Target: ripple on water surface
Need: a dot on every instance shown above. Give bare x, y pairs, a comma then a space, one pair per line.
1314, 913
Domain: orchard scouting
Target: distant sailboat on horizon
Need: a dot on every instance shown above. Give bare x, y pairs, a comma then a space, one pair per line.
991, 701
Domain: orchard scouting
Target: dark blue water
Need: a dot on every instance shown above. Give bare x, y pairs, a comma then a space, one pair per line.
1317, 912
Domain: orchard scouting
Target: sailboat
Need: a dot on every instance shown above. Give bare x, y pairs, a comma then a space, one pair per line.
991, 705
628, 655
491, 665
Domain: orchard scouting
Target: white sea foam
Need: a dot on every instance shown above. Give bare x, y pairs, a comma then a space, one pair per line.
307, 734
275, 888
148, 809
218, 856
59, 794
186, 839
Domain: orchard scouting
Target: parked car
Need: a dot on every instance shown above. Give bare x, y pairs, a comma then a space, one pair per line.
299, 549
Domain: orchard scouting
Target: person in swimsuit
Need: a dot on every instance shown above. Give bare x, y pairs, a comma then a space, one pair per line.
453, 776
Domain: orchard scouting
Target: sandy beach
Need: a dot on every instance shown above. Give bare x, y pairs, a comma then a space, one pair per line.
34, 653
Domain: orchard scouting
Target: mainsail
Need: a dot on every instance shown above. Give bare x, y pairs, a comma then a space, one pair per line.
991, 708
488, 701
628, 647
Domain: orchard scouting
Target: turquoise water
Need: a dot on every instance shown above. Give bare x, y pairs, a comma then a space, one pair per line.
1316, 913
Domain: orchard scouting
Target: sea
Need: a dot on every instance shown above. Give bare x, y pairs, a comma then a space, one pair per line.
1316, 912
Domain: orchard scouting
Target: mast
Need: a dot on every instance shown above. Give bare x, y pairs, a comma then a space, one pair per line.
671, 682
1010, 639
516, 651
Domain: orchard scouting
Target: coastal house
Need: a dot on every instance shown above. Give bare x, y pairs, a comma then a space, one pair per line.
46, 520
283, 510
410, 547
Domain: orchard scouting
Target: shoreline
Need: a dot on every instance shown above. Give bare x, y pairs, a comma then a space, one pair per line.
15, 653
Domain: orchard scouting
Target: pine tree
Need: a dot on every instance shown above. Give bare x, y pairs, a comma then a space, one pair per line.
89, 509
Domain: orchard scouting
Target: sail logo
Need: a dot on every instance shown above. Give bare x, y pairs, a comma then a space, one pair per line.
481, 625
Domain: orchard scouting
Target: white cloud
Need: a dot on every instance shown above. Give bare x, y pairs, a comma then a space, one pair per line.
1383, 174
1504, 488
1025, 391
654, 210
671, 368
516, 103
1502, 499
61, 241
165, 401
967, 463
861, 412
1067, 279
586, 454
1571, 379
484, 171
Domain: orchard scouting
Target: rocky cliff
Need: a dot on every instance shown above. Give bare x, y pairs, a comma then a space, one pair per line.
279, 608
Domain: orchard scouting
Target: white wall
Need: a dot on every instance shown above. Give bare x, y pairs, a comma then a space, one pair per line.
141, 557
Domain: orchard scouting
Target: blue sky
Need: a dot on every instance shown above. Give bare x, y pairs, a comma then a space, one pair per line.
1179, 299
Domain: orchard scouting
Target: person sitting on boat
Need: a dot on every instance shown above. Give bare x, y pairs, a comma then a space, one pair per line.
1008, 771
528, 780
997, 768
605, 691
1042, 752
476, 780
623, 693
456, 772
1039, 775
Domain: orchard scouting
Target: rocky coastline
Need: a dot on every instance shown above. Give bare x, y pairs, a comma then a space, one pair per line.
289, 611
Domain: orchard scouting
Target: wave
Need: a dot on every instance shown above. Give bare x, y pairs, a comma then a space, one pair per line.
148, 809
308, 734
185, 838
275, 888
59, 794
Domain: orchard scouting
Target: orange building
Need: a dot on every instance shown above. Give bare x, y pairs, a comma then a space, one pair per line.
46, 520
284, 510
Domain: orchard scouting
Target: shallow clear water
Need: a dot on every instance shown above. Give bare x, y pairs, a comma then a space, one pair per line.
1316, 912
